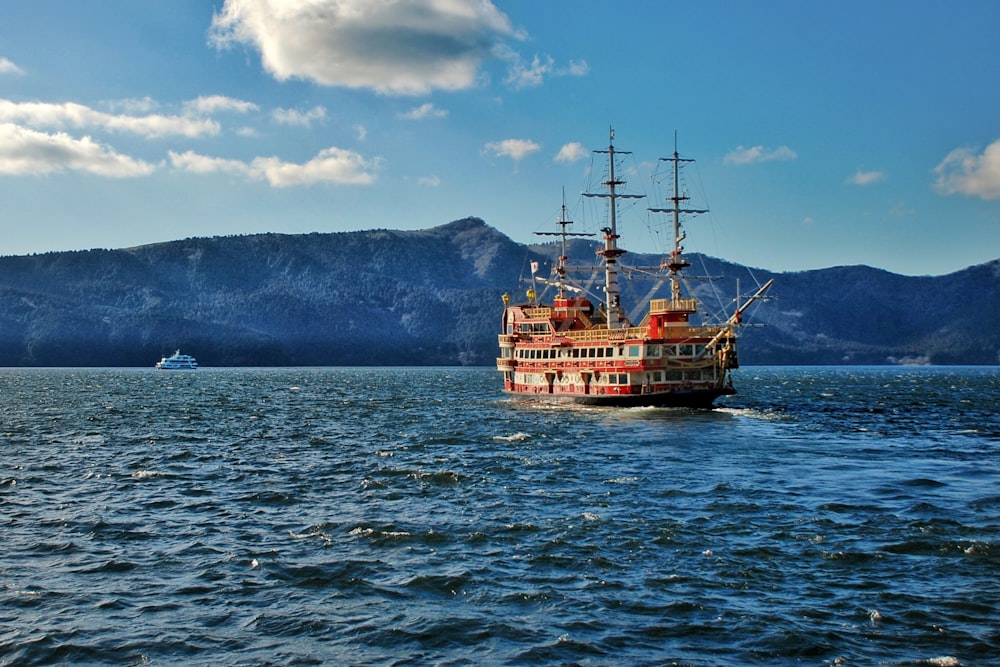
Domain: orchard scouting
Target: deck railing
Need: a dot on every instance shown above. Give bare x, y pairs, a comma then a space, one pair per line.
673, 305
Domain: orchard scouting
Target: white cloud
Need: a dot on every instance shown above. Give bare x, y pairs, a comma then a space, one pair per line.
361, 132
571, 152
7, 67
516, 149
429, 181
964, 172
70, 114
203, 164
424, 111
402, 48
744, 155
27, 151
331, 165
295, 117
209, 104
867, 177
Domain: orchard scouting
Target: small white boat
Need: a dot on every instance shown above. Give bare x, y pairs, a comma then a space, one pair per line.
177, 361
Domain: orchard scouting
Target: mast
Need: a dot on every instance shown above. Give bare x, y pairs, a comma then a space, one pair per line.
563, 257
677, 262
611, 251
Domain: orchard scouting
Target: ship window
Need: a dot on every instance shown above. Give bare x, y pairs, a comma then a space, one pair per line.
635, 350
600, 351
652, 350
609, 352
698, 349
686, 350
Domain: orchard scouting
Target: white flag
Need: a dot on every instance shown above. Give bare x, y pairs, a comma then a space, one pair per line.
534, 268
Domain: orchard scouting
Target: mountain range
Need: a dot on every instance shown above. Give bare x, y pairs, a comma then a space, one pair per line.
433, 297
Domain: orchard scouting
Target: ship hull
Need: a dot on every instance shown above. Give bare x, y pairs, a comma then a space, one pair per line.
699, 399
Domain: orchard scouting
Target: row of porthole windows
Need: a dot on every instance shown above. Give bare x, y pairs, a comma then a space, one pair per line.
706, 375
631, 351
566, 353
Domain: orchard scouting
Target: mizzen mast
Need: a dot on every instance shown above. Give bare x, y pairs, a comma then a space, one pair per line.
677, 263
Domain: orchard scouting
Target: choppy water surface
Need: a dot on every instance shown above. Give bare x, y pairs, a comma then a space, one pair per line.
417, 516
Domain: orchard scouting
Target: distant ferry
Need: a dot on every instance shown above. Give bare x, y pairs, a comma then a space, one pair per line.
177, 361
571, 349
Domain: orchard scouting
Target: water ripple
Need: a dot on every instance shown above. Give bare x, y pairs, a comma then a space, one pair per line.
340, 516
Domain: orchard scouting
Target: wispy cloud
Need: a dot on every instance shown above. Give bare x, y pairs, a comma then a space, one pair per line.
210, 104
867, 177
521, 74
27, 151
900, 209
423, 112
571, 152
71, 114
133, 105
744, 155
429, 181
8, 67
400, 48
516, 149
331, 165
963, 171
296, 117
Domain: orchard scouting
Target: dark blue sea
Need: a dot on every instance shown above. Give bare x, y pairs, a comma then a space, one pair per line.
822, 516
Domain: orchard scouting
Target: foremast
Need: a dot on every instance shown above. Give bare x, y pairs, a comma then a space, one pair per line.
611, 252
560, 268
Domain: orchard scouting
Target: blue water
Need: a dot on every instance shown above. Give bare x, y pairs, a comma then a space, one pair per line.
418, 516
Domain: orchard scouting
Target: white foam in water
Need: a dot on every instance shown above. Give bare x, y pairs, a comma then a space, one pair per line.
516, 437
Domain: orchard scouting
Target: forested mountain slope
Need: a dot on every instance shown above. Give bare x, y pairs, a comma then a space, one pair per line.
432, 297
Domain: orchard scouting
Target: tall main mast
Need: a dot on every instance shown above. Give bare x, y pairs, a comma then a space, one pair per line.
611, 252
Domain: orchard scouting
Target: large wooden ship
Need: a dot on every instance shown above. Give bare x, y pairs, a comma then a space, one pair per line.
584, 349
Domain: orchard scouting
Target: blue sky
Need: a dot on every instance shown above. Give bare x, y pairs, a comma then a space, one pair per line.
826, 134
